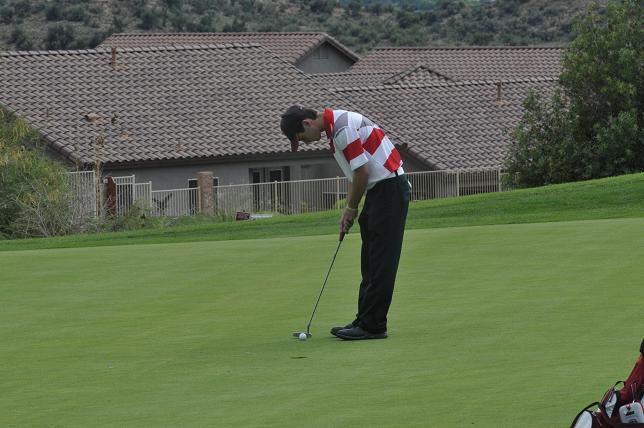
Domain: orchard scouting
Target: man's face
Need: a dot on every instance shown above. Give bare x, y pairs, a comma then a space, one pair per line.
310, 133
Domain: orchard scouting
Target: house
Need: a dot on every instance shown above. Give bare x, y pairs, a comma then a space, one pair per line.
451, 108
166, 113
310, 52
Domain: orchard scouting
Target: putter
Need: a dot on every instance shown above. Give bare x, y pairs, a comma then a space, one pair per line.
308, 327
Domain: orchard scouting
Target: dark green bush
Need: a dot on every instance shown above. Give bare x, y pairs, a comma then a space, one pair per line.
593, 126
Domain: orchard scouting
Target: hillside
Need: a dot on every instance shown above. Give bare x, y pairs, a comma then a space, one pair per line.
360, 24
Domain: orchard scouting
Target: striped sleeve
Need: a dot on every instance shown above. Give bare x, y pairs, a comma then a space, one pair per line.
347, 140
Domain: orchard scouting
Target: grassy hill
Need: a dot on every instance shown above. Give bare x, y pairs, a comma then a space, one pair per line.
64, 24
616, 197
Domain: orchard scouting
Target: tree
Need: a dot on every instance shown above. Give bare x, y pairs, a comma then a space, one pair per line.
237, 26
324, 7
172, 4
118, 25
20, 39
354, 7
59, 37
22, 8
179, 21
34, 196
150, 18
6, 15
54, 12
375, 8
75, 13
593, 126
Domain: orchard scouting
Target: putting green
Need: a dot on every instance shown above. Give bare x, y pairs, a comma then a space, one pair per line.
512, 325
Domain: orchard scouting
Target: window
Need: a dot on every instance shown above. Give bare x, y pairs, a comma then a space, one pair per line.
269, 175
322, 52
268, 197
275, 175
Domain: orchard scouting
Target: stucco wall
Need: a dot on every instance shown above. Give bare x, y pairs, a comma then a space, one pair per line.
324, 59
410, 165
176, 177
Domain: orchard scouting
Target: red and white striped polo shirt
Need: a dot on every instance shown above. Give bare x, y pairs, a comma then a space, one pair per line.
356, 141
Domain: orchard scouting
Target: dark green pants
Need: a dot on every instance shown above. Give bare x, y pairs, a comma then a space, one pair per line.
382, 226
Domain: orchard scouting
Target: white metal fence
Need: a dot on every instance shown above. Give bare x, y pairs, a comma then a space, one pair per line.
175, 202
171, 203
124, 193
294, 197
445, 184
83, 190
287, 197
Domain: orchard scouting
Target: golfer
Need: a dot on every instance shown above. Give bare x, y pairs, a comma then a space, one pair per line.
373, 166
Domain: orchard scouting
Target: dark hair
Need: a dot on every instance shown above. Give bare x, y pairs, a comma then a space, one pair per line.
292, 119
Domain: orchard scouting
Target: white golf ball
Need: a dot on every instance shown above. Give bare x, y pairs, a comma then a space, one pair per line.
302, 336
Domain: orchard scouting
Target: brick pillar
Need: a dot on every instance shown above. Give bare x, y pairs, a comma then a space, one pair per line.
204, 180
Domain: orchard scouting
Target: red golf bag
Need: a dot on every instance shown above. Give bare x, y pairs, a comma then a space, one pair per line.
619, 407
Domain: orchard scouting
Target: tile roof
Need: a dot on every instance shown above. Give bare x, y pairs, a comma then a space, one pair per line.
416, 76
348, 79
157, 103
449, 125
413, 76
291, 46
472, 63
222, 101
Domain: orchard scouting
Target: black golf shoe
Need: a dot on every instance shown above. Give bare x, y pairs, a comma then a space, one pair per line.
335, 330
357, 333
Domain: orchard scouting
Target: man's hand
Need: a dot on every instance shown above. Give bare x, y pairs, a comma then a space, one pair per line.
348, 217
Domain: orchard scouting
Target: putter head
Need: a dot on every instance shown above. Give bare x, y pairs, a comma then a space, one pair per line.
297, 334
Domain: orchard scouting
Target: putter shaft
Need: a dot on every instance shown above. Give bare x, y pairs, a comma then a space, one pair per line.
308, 327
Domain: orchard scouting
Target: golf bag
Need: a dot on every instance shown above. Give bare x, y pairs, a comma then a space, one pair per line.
619, 407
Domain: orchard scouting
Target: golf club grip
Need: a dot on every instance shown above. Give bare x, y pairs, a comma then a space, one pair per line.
342, 236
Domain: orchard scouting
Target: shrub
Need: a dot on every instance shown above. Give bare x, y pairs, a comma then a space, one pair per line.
22, 8
54, 12
20, 39
75, 13
59, 37
236, 26
118, 25
6, 15
150, 19
34, 197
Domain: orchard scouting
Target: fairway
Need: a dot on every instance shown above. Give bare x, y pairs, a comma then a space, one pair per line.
504, 325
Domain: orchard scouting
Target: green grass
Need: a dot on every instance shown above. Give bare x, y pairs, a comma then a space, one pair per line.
618, 197
502, 325
512, 309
